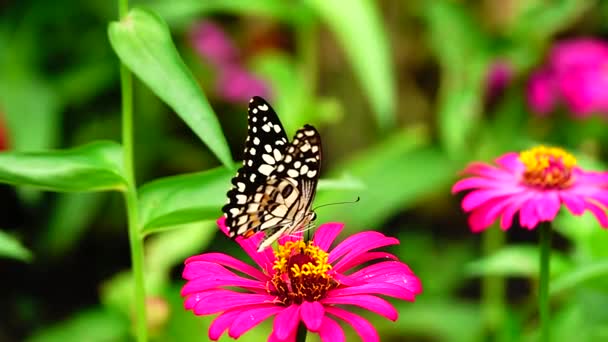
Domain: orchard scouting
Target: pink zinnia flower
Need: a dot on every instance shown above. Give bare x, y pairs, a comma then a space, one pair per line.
212, 43
299, 283
534, 183
498, 78
576, 75
4, 145
236, 84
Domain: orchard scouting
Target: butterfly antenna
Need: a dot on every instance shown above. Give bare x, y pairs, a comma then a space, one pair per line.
328, 204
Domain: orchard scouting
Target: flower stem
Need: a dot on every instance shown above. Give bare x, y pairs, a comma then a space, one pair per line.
301, 334
135, 238
543, 284
493, 287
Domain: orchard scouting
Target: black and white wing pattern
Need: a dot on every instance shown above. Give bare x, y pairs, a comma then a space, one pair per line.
274, 189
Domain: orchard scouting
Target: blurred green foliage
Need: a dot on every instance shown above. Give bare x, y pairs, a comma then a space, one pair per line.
399, 91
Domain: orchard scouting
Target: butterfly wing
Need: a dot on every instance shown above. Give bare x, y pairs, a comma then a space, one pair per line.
264, 149
292, 187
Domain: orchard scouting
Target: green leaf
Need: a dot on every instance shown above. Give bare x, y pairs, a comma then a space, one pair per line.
95, 325
182, 13
68, 221
397, 173
167, 249
92, 167
516, 261
579, 275
464, 61
357, 25
143, 42
182, 199
194, 197
10, 247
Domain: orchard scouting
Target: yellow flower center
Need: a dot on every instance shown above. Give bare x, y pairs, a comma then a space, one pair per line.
301, 273
547, 167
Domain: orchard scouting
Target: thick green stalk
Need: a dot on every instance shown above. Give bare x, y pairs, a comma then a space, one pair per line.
301, 334
135, 238
493, 287
543, 283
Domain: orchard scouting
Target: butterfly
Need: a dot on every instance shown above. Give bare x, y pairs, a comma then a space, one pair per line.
274, 189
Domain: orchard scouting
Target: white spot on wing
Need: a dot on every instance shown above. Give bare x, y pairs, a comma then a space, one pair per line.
268, 148
268, 158
240, 186
256, 141
292, 173
277, 128
265, 169
315, 149
254, 110
263, 107
241, 199
266, 128
303, 169
311, 173
252, 151
252, 177
277, 154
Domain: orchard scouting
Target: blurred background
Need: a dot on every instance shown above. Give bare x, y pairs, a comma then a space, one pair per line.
404, 95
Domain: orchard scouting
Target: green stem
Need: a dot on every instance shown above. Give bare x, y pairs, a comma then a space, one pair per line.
301, 334
135, 238
306, 40
493, 287
543, 284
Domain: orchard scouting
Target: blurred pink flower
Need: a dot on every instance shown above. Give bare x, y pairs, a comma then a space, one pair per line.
4, 145
535, 183
498, 77
300, 283
576, 75
210, 41
237, 85
233, 83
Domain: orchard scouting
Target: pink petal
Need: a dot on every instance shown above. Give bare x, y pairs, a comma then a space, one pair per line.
326, 234
487, 171
312, 314
477, 198
365, 257
510, 161
599, 213
548, 205
250, 245
387, 289
392, 272
215, 281
221, 323
528, 216
364, 329
574, 203
214, 301
273, 337
482, 217
286, 322
474, 183
513, 207
228, 261
371, 303
250, 318
331, 331
358, 241
361, 248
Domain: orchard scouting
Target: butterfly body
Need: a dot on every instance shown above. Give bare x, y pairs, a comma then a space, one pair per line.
274, 189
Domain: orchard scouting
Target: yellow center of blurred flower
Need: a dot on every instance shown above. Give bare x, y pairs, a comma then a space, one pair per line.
301, 273
547, 167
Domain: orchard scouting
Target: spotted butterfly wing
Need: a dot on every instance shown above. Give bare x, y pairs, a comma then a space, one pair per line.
274, 189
